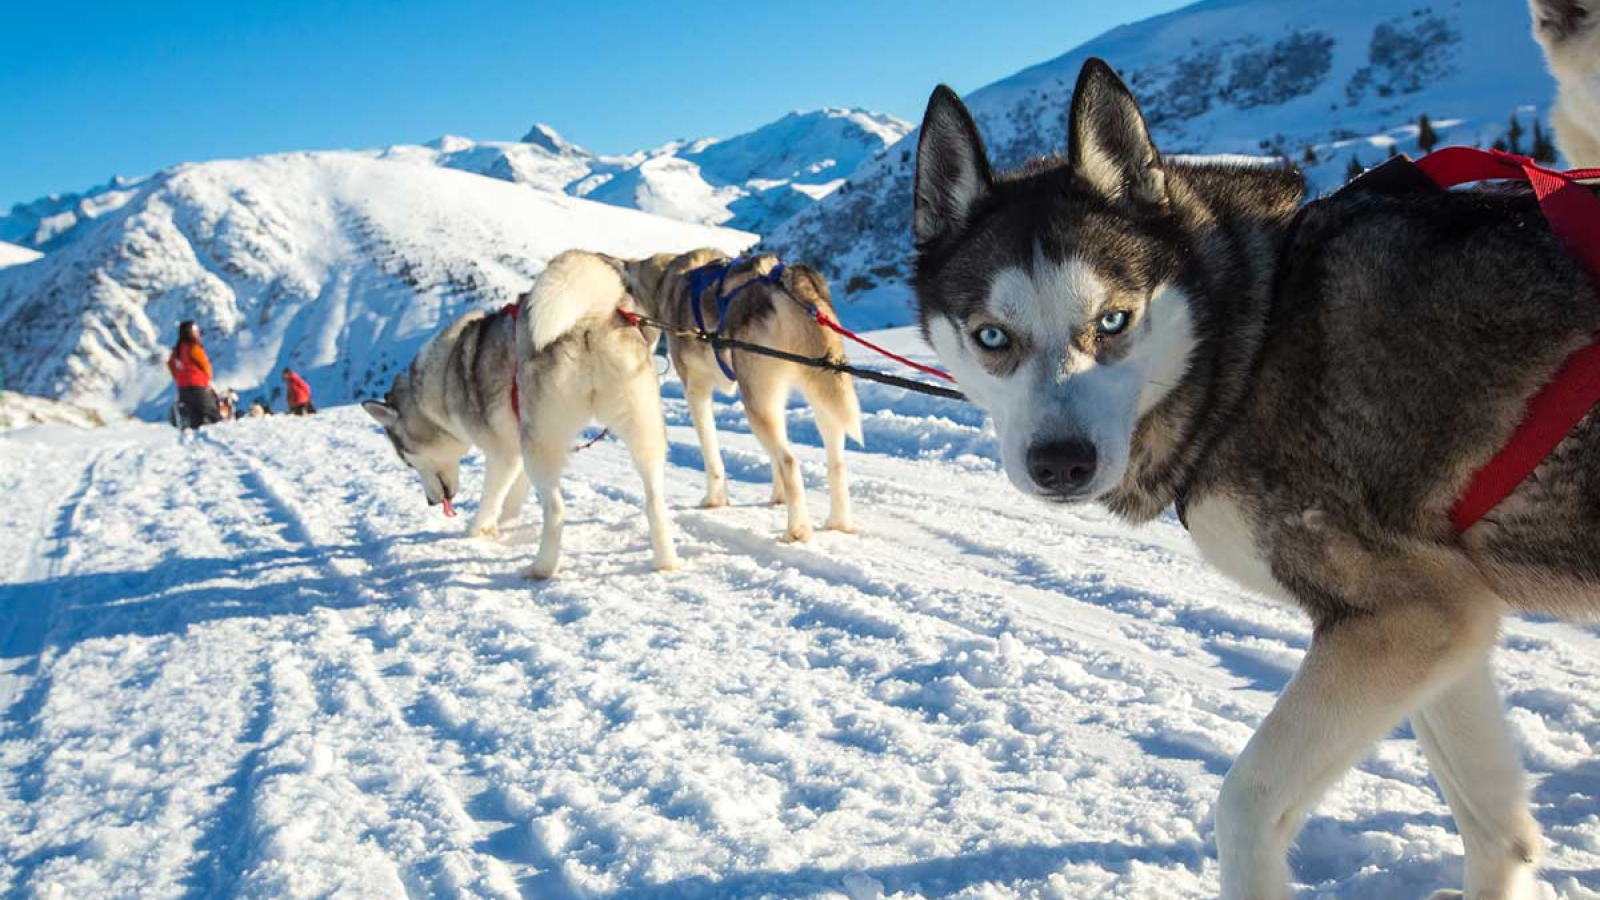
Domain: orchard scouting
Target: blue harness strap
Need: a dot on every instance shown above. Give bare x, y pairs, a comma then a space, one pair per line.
714, 275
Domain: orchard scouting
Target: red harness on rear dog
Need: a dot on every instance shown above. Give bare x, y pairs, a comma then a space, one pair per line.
1574, 215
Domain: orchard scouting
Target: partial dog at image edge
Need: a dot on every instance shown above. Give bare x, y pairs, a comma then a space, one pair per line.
1312, 388
1569, 32
573, 360
771, 305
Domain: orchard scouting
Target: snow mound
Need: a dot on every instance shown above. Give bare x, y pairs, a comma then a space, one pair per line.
13, 255
337, 264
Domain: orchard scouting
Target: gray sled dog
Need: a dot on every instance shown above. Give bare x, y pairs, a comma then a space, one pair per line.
1569, 32
1312, 392
764, 312
574, 360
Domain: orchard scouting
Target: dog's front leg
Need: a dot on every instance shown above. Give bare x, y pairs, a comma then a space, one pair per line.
500, 472
1469, 749
1365, 672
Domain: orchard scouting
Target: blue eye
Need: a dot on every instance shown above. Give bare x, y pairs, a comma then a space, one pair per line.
1114, 322
992, 337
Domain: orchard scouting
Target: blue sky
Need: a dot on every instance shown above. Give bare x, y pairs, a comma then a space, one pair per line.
96, 89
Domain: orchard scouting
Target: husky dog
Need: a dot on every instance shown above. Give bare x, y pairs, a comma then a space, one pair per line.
1569, 32
1312, 391
456, 395
769, 313
573, 359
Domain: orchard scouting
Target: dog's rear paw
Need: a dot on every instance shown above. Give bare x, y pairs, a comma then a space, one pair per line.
538, 573
671, 564
845, 527
487, 530
710, 502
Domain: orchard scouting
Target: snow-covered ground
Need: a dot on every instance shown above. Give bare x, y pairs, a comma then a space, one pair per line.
254, 664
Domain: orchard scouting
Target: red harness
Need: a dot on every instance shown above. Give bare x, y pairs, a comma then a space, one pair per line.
1574, 215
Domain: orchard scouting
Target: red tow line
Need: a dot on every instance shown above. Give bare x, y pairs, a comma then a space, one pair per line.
1574, 215
827, 321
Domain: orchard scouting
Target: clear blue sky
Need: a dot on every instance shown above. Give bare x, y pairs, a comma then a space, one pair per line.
94, 89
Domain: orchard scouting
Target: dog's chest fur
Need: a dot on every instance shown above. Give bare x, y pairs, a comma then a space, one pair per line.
1227, 540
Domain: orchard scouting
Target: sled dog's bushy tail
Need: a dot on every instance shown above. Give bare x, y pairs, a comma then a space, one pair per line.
576, 287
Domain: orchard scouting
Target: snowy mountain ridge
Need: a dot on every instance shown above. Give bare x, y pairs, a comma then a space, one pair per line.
1323, 83
750, 182
337, 264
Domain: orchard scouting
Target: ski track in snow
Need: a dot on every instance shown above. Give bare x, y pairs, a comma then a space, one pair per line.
251, 663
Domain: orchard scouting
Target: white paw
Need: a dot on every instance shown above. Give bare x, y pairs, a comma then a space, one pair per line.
844, 526
537, 572
484, 530
668, 564
796, 535
713, 502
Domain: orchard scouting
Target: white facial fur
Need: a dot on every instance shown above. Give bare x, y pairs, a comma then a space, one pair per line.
1057, 392
441, 477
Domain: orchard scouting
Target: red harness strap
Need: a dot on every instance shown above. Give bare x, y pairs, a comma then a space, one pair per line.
1574, 215
829, 323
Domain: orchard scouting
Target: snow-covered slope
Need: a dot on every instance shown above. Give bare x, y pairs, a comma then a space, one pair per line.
256, 665
23, 411
1347, 79
336, 264
13, 255
752, 181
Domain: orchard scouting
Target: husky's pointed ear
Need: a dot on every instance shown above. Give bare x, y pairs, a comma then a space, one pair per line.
1557, 20
1109, 145
383, 412
952, 169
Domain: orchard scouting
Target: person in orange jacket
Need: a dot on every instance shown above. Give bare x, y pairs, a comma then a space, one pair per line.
299, 394
191, 369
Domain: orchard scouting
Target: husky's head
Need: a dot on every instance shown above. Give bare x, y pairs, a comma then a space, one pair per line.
431, 451
1053, 294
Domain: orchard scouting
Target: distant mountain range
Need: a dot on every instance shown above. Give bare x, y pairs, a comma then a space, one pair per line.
751, 181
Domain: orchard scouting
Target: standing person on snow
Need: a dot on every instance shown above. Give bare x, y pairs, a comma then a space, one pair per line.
299, 394
191, 369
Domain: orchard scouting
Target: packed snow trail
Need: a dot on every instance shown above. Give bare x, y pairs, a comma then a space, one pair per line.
253, 663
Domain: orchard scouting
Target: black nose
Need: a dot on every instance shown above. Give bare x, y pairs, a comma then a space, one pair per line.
1061, 467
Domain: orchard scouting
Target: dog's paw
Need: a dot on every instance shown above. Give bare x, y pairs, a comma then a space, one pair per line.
484, 530
844, 527
796, 535
670, 564
537, 572
713, 502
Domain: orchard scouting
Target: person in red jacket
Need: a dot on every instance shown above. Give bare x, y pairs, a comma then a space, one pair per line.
191, 369
299, 394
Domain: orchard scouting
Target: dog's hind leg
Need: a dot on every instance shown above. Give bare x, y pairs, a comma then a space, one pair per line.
1463, 732
764, 400
705, 427
833, 438
1365, 672
544, 460
640, 425
501, 471
511, 511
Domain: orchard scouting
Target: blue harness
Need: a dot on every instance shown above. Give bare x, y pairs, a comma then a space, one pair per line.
712, 275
